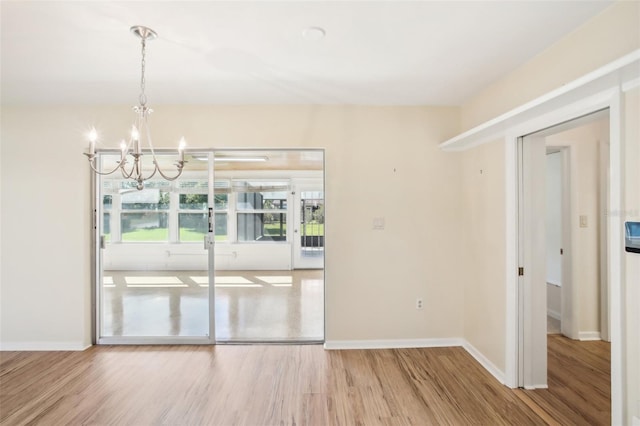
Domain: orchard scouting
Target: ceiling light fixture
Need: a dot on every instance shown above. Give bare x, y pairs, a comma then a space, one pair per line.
139, 132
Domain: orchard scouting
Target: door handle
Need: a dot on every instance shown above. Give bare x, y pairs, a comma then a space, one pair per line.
208, 241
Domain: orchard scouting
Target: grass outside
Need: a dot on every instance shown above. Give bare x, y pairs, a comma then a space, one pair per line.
147, 234
191, 235
162, 235
313, 229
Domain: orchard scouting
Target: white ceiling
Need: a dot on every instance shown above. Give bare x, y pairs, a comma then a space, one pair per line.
240, 52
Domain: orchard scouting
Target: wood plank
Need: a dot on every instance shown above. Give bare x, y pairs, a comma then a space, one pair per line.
302, 385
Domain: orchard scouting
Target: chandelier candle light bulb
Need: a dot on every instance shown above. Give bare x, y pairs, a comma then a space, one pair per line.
139, 132
181, 147
123, 150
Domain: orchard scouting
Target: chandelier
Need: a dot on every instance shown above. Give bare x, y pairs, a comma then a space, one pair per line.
130, 164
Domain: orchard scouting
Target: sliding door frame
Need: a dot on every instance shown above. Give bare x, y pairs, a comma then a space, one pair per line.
209, 243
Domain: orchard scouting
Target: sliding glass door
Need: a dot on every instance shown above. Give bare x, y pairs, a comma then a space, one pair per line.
154, 262
232, 251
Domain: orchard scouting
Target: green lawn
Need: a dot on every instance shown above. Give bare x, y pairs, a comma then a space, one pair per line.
312, 229
190, 235
162, 234
153, 235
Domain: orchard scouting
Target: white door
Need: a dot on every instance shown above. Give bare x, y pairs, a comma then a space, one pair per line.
532, 240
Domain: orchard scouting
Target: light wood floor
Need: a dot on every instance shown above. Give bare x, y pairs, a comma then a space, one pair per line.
579, 383
256, 385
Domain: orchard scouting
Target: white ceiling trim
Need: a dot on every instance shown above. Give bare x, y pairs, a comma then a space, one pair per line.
623, 72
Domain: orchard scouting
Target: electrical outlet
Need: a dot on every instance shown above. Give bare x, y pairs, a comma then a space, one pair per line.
418, 303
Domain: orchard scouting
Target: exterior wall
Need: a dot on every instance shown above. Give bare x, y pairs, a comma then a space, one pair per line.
380, 162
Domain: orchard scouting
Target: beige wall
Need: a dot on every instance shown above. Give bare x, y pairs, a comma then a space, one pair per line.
606, 37
380, 161
584, 176
484, 286
631, 289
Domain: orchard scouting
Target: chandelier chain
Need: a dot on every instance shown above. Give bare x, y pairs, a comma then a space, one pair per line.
143, 96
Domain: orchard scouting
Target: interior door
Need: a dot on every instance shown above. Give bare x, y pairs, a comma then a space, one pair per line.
153, 268
532, 241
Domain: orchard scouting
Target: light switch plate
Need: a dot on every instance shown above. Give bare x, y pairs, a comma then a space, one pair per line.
583, 221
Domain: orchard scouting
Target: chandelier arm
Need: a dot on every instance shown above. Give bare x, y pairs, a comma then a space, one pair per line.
155, 169
125, 174
180, 168
92, 164
153, 154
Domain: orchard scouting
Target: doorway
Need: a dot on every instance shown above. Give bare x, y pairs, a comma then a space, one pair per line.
572, 252
208, 257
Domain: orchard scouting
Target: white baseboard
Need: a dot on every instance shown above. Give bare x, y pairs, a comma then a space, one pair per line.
554, 314
43, 346
484, 361
534, 387
589, 335
391, 344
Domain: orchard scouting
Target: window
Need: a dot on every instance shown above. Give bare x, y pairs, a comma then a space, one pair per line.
193, 205
144, 226
261, 210
144, 214
178, 212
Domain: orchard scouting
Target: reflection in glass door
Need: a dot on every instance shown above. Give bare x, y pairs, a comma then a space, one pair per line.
153, 280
